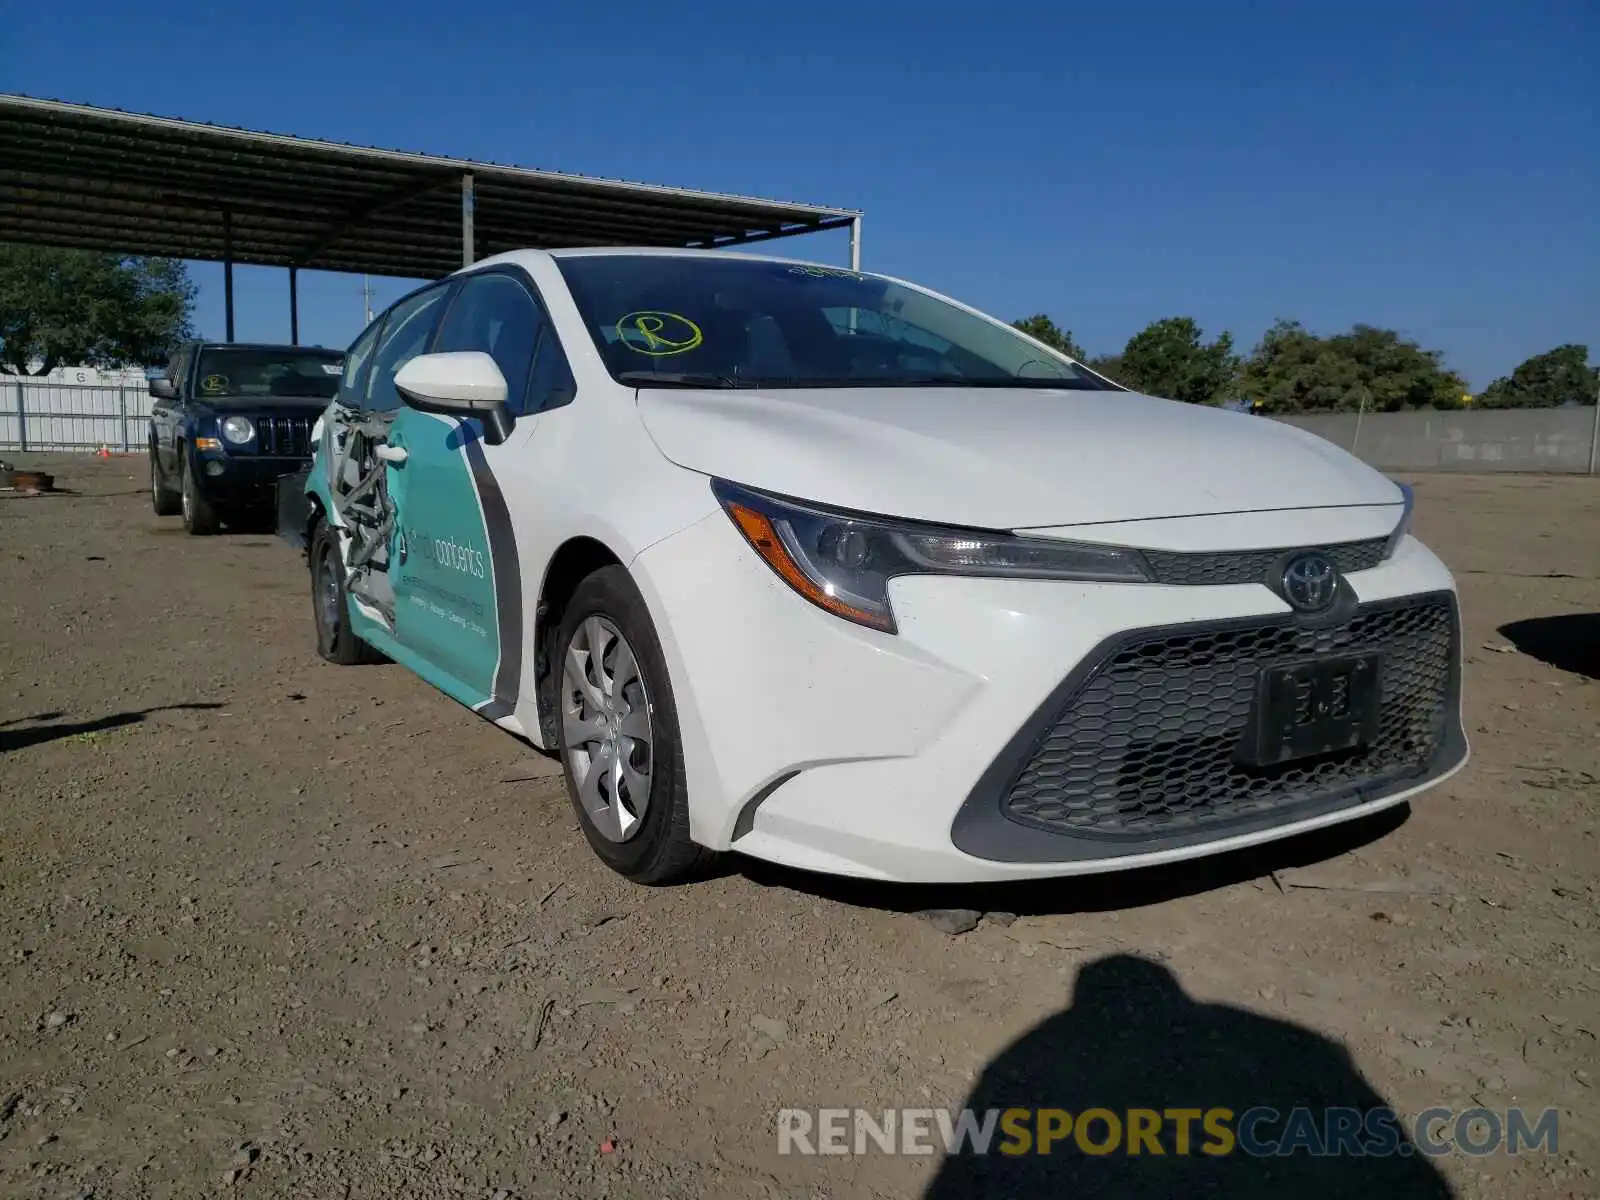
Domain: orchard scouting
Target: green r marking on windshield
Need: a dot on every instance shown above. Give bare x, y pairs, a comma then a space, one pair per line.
662, 333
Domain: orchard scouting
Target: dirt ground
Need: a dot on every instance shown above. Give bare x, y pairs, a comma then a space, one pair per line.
271, 927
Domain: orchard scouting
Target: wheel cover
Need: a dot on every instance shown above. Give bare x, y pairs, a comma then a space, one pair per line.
607, 736
327, 592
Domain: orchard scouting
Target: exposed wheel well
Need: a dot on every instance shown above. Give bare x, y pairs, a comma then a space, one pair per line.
577, 559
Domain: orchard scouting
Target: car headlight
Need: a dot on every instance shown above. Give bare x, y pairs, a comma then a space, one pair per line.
842, 562
1404, 527
238, 430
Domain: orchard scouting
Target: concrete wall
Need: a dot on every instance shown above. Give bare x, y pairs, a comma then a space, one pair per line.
1536, 439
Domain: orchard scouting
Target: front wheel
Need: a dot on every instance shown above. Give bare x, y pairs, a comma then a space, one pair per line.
330, 604
199, 517
620, 749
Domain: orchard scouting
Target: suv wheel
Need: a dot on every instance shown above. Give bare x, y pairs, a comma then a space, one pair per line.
199, 517
163, 499
619, 742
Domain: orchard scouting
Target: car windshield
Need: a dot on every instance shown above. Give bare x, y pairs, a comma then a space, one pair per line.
267, 371
691, 321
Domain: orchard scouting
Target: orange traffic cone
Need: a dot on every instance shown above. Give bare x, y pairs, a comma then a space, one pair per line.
103, 452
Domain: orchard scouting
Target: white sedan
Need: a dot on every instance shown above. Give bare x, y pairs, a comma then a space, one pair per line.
825, 568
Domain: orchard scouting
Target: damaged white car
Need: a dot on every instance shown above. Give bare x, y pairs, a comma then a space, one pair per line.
825, 568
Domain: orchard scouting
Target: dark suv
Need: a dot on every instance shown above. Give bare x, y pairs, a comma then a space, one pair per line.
228, 419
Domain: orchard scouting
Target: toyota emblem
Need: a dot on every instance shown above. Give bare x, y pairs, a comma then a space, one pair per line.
1310, 582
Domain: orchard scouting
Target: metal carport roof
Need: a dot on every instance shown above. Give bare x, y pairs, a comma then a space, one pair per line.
101, 179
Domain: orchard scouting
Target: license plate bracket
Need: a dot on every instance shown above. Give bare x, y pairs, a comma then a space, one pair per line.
1313, 706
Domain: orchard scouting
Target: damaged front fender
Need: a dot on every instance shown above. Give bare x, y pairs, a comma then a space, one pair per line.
346, 485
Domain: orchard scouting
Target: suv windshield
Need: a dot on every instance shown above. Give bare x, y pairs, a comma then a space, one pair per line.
684, 321
267, 371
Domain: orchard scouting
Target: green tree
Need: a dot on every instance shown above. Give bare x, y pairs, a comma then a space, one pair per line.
1045, 330
1549, 380
83, 307
1170, 358
1109, 365
1294, 370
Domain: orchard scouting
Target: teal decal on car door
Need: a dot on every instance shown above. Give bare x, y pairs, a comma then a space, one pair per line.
443, 567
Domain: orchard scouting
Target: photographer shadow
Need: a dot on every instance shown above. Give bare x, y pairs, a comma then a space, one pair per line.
1132, 1039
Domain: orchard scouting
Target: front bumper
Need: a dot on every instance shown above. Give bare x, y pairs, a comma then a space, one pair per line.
1139, 746
822, 745
242, 480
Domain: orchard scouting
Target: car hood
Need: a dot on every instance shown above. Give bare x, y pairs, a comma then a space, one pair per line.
1008, 458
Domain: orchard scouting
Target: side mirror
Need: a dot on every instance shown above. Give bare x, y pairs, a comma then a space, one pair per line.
458, 383
163, 389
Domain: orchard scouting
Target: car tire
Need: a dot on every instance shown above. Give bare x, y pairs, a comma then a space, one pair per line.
165, 501
655, 848
330, 604
199, 516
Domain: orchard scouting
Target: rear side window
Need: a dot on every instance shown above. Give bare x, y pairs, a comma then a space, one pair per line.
405, 335
352, 384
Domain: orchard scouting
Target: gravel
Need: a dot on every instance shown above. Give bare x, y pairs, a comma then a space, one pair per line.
409, 966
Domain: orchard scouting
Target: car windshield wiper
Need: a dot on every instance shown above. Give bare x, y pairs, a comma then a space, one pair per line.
692, 379
681, 379
945, 381
990, 381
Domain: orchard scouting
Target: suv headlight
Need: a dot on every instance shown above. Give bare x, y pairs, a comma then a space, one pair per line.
842, 562
237, 430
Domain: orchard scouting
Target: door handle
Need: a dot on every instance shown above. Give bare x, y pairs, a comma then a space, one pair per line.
392, 454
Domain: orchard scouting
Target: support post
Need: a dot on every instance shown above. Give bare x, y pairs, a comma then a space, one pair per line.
294, 307
468, 207
227, 268
1594, 436
22, 419
122, 413
1355, 438
855, 260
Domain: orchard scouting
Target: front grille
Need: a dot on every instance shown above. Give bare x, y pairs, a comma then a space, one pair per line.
284, 437
1146, 746
1251, 566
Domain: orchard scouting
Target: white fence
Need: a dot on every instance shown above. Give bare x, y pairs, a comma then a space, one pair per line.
38, 414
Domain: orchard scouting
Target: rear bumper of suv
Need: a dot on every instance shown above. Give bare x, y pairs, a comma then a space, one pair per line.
1016, 729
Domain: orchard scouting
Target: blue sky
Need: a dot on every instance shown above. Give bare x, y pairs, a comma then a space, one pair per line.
1430, 166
